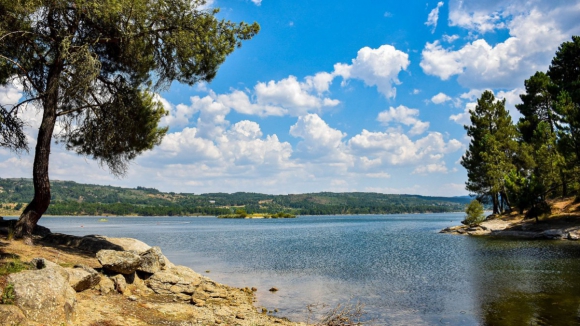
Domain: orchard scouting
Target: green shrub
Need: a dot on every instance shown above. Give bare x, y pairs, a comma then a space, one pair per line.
474, 213
8, 294
241, 212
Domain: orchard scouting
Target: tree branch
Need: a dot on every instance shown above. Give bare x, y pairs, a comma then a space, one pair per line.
76, 110
23, 102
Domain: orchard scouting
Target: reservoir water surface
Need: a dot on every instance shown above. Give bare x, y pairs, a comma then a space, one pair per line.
398, 266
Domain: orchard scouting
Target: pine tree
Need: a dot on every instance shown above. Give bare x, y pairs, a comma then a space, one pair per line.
491, 152
94, 66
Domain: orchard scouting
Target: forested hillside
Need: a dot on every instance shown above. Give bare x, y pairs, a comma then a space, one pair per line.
71, 198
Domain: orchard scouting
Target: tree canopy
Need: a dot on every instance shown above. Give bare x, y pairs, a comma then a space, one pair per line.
94, 67
539, 157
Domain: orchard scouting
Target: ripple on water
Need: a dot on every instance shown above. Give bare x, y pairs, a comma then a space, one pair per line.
397, 265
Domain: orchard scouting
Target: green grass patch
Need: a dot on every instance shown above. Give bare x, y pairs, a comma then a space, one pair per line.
8, 295
13, 265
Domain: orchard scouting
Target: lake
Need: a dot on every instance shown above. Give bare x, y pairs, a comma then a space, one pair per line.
398, 266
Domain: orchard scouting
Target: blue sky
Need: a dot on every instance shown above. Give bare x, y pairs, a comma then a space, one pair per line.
337, 96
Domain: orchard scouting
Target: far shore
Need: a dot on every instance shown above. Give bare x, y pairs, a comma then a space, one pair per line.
114, 216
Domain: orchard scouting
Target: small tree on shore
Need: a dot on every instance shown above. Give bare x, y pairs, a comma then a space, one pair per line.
474, 213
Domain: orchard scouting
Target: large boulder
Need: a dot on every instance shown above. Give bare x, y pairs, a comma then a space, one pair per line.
152, 260
127, 244
175, 280
44, 296
82, 277
124, 262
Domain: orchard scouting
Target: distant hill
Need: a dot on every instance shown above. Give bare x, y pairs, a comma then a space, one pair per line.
71, 198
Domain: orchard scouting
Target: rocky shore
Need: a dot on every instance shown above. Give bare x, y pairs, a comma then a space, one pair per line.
519, 229
96, 280
562, 224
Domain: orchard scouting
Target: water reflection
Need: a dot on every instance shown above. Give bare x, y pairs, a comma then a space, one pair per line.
526, 282
398, 266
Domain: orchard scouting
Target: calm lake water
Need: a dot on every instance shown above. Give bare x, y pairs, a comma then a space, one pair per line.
399, 266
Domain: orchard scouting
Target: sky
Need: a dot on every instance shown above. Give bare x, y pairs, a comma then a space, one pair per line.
340, 96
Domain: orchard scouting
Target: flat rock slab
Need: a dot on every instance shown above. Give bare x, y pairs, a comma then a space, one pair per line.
124, 262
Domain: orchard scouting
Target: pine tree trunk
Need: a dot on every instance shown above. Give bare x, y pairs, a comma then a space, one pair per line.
564, 184
506, 200
495, 203
39, 204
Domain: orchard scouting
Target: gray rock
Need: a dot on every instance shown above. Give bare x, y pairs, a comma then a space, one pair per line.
120, 283
176, 280
152, 260
124, 262
127, 243
82, 277
44, 296
106, 285
11, 315
573, 235
553, 234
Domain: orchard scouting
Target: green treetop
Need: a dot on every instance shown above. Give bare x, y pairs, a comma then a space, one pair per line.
93, 66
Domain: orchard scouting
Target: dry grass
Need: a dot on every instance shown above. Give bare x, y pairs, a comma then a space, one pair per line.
10, 249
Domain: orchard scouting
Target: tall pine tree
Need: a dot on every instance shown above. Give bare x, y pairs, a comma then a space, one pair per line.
491, 151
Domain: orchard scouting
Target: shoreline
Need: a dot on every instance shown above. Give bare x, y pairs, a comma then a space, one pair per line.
171, 295
113, 216
566, 227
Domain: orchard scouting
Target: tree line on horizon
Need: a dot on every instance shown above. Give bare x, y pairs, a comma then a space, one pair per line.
71, 198
521, 165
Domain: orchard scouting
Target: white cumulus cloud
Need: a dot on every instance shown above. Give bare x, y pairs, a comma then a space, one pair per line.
294, 95
376, 67
397, 149
535, 31
319, 140
430, 168
405, 116
440, 98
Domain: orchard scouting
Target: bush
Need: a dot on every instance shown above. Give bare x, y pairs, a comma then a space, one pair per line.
8, 295
474, 213
241, 212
